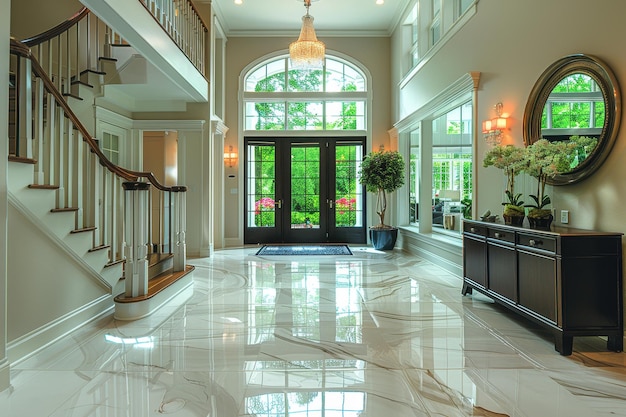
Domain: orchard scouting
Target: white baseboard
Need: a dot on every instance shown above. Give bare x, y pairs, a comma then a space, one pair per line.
438, 250
32, 342
5, 372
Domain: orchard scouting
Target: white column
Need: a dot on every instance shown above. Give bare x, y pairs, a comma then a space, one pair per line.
5, 28
136, 238
179, 227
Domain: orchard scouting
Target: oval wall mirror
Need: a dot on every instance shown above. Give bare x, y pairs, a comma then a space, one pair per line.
578, 95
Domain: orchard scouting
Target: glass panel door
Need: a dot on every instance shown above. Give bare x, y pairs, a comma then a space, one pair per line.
263, 207
306, 221
347, 201
304, 190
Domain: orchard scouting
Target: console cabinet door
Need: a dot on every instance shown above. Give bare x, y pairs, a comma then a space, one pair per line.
537, 284
475, 260
502, 261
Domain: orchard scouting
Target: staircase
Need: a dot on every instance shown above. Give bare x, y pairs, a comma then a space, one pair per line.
98, 213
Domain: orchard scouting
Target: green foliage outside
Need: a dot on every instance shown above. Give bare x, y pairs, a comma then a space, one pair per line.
305, 208
581, 114
301, 115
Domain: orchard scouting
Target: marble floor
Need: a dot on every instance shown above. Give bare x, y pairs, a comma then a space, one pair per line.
369, 335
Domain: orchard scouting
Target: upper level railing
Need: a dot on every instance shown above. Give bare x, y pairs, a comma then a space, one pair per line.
79, 43
181, 20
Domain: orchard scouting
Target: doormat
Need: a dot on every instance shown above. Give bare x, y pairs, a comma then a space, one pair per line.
297, 250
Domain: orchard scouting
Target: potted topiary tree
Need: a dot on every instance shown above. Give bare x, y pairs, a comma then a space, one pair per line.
382, 173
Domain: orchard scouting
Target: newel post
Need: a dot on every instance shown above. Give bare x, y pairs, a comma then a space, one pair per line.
179, 227
136, 238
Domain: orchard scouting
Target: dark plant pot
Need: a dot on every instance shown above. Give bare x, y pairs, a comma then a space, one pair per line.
383, 239
513, 220
541, 223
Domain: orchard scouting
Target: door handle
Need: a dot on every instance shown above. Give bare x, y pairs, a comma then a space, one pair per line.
330, 203
279, 204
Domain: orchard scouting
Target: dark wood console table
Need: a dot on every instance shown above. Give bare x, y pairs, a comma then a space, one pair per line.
569, 280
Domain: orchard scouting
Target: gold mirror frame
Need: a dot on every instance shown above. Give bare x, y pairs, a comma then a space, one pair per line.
604, 77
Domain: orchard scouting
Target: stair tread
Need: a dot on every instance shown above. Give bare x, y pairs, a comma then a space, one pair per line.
84, 229
43, 186
63, 209
97, 248
22, 159
105, 58
113, 263
73, 96
79, 82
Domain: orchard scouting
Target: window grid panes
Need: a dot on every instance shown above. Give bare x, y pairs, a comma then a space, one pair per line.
111, 147
299, 111
261, 194
432, 23
305, 186
576, 102
349, 199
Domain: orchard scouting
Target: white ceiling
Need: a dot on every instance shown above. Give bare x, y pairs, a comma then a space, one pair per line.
332, 17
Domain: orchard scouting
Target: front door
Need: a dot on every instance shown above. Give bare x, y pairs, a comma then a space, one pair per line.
304, 190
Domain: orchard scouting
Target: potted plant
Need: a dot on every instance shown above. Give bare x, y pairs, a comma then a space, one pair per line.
382, 173
546, 159
512, 160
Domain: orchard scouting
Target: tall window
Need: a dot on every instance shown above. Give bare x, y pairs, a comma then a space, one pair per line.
410, 37
414, 176
449, 179
435, 23
462, 6
428, 24
279, 97
452, 165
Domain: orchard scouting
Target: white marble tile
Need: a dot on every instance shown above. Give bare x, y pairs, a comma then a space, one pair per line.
377, 334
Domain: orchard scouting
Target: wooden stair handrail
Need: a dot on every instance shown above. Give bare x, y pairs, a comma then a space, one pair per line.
19, 48
57, 30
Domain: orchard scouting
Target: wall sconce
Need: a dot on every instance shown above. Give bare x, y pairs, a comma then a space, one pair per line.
492, 128
230, 157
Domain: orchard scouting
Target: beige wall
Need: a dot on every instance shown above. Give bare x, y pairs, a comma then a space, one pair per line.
372, 53
25, 22
511, 44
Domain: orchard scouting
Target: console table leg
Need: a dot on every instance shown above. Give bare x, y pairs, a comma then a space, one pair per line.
615, 343
466, 289
563, 344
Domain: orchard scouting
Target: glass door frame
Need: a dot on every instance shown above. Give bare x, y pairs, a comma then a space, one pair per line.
282, 231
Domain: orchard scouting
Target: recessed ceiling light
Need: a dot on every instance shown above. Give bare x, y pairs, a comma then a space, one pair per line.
238, 1
380, 1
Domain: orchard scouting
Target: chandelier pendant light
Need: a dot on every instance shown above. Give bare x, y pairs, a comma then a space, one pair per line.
307, 52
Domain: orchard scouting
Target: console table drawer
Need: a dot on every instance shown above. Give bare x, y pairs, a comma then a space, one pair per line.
538, 242
503, 235
474, 229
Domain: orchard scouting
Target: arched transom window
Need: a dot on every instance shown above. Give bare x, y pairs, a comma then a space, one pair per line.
279, 97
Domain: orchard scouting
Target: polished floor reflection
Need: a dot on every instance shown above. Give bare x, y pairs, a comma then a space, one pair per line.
373, 334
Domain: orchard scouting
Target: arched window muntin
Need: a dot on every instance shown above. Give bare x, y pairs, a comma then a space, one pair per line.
277, 97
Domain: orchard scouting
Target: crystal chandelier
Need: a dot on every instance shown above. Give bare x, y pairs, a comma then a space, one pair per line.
307, 52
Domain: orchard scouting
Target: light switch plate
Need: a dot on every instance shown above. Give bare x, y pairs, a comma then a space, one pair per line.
564, 216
